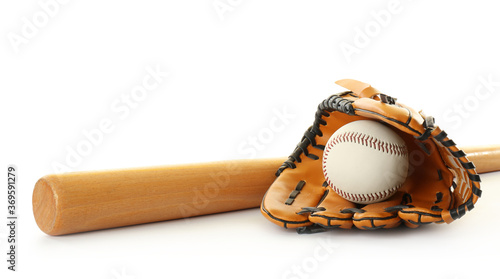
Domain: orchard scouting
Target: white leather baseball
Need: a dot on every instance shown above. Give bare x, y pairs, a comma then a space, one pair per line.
365, 162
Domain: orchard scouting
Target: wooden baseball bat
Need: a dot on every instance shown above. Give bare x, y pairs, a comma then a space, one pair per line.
86, 201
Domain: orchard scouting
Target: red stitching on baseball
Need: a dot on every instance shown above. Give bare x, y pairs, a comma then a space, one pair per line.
369, 141
364, 197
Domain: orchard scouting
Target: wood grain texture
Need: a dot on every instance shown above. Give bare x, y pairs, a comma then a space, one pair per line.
485, 158
85, 201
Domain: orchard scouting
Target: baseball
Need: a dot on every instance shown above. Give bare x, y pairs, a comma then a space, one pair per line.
365, 162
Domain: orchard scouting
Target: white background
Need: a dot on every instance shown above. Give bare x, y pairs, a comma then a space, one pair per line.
232, 70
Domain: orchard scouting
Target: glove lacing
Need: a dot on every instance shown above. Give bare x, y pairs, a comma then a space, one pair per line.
333, 103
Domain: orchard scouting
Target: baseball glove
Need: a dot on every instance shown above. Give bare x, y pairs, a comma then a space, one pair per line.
441, 185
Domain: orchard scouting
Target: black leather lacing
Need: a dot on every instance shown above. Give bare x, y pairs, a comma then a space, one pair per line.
333, 103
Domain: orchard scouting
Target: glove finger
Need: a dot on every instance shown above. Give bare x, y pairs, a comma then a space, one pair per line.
287, 197
375, 216
333, 211
417, 216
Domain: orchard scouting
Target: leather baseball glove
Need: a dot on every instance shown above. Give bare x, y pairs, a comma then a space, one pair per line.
441, 185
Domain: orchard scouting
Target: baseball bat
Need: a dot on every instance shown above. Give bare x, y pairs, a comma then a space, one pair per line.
86, 201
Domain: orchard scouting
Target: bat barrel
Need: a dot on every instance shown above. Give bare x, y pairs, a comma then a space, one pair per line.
485, 158
85, 201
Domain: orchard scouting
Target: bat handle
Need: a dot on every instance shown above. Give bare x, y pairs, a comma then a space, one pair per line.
485, 158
